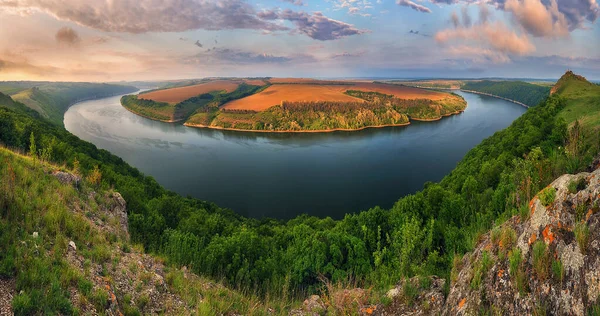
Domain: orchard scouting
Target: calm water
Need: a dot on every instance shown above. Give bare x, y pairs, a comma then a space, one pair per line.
283, 175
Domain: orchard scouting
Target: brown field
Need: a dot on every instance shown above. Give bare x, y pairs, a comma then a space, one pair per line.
255, 82
401, 92
274, 94
176, 95
314, 92
291, 80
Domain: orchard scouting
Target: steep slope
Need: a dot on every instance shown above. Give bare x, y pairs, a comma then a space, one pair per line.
65, 248
582, 99
524, 92
52, 99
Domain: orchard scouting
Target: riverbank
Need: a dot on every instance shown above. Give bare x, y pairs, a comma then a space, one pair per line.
293, 131
496, 96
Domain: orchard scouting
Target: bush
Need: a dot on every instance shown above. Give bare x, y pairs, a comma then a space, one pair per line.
547, 196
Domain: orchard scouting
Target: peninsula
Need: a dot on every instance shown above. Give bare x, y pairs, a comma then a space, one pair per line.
293, 105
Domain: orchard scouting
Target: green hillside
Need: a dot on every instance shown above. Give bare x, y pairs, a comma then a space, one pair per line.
527, 93
288, 260
583, 104
52, 99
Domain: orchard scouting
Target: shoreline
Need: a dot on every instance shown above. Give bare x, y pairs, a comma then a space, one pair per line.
496, 96
152, 118
296, 132
303, 131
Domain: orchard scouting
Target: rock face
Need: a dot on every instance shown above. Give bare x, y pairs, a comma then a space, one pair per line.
67, 178
552, 266
548, 263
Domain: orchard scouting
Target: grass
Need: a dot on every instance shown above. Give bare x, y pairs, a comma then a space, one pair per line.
577, 185
480, 270
541, 259
515, 260
582, 233
31, 200
547, 196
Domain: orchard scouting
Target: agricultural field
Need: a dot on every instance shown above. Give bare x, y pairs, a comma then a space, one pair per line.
325, 91
176, 95
289, 104
278, 93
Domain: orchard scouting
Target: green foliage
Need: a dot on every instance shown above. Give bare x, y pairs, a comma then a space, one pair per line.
378, 110
419, 235
547, 196
577, 185
558, 270
541, 259
515, 260
527, 93
582, 232
409, 293
52, 99
480, 270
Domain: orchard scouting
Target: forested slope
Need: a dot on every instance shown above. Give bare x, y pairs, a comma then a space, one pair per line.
52, 99
527, 93
419, 235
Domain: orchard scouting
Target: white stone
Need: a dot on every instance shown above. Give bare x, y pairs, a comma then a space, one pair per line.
72, 245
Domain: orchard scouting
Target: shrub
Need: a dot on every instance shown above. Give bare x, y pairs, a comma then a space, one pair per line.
547, 196
582, 233
540, 259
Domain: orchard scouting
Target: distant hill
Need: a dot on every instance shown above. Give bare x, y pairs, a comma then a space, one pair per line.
52, 99
527, 93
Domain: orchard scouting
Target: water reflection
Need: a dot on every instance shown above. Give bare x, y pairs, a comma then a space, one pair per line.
282, 175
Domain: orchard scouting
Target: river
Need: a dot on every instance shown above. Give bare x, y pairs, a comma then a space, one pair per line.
283, 175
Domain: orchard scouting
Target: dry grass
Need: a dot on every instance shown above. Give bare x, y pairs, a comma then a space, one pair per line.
292, 93
176, 95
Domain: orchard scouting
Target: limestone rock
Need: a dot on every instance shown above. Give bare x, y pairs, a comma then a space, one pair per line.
67, 178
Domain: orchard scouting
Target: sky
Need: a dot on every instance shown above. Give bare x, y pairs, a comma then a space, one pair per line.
125, 40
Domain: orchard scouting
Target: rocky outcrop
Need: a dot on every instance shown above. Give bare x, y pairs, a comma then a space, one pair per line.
548, 263
67, 178
545, 264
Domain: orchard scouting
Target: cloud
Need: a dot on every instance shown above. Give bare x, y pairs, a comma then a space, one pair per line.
198, 44
240, 57
68, 36
346, 55
478, 54
538, 19
316, 25
354, 7
295, 2
413, 5
494, 35
141, 16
